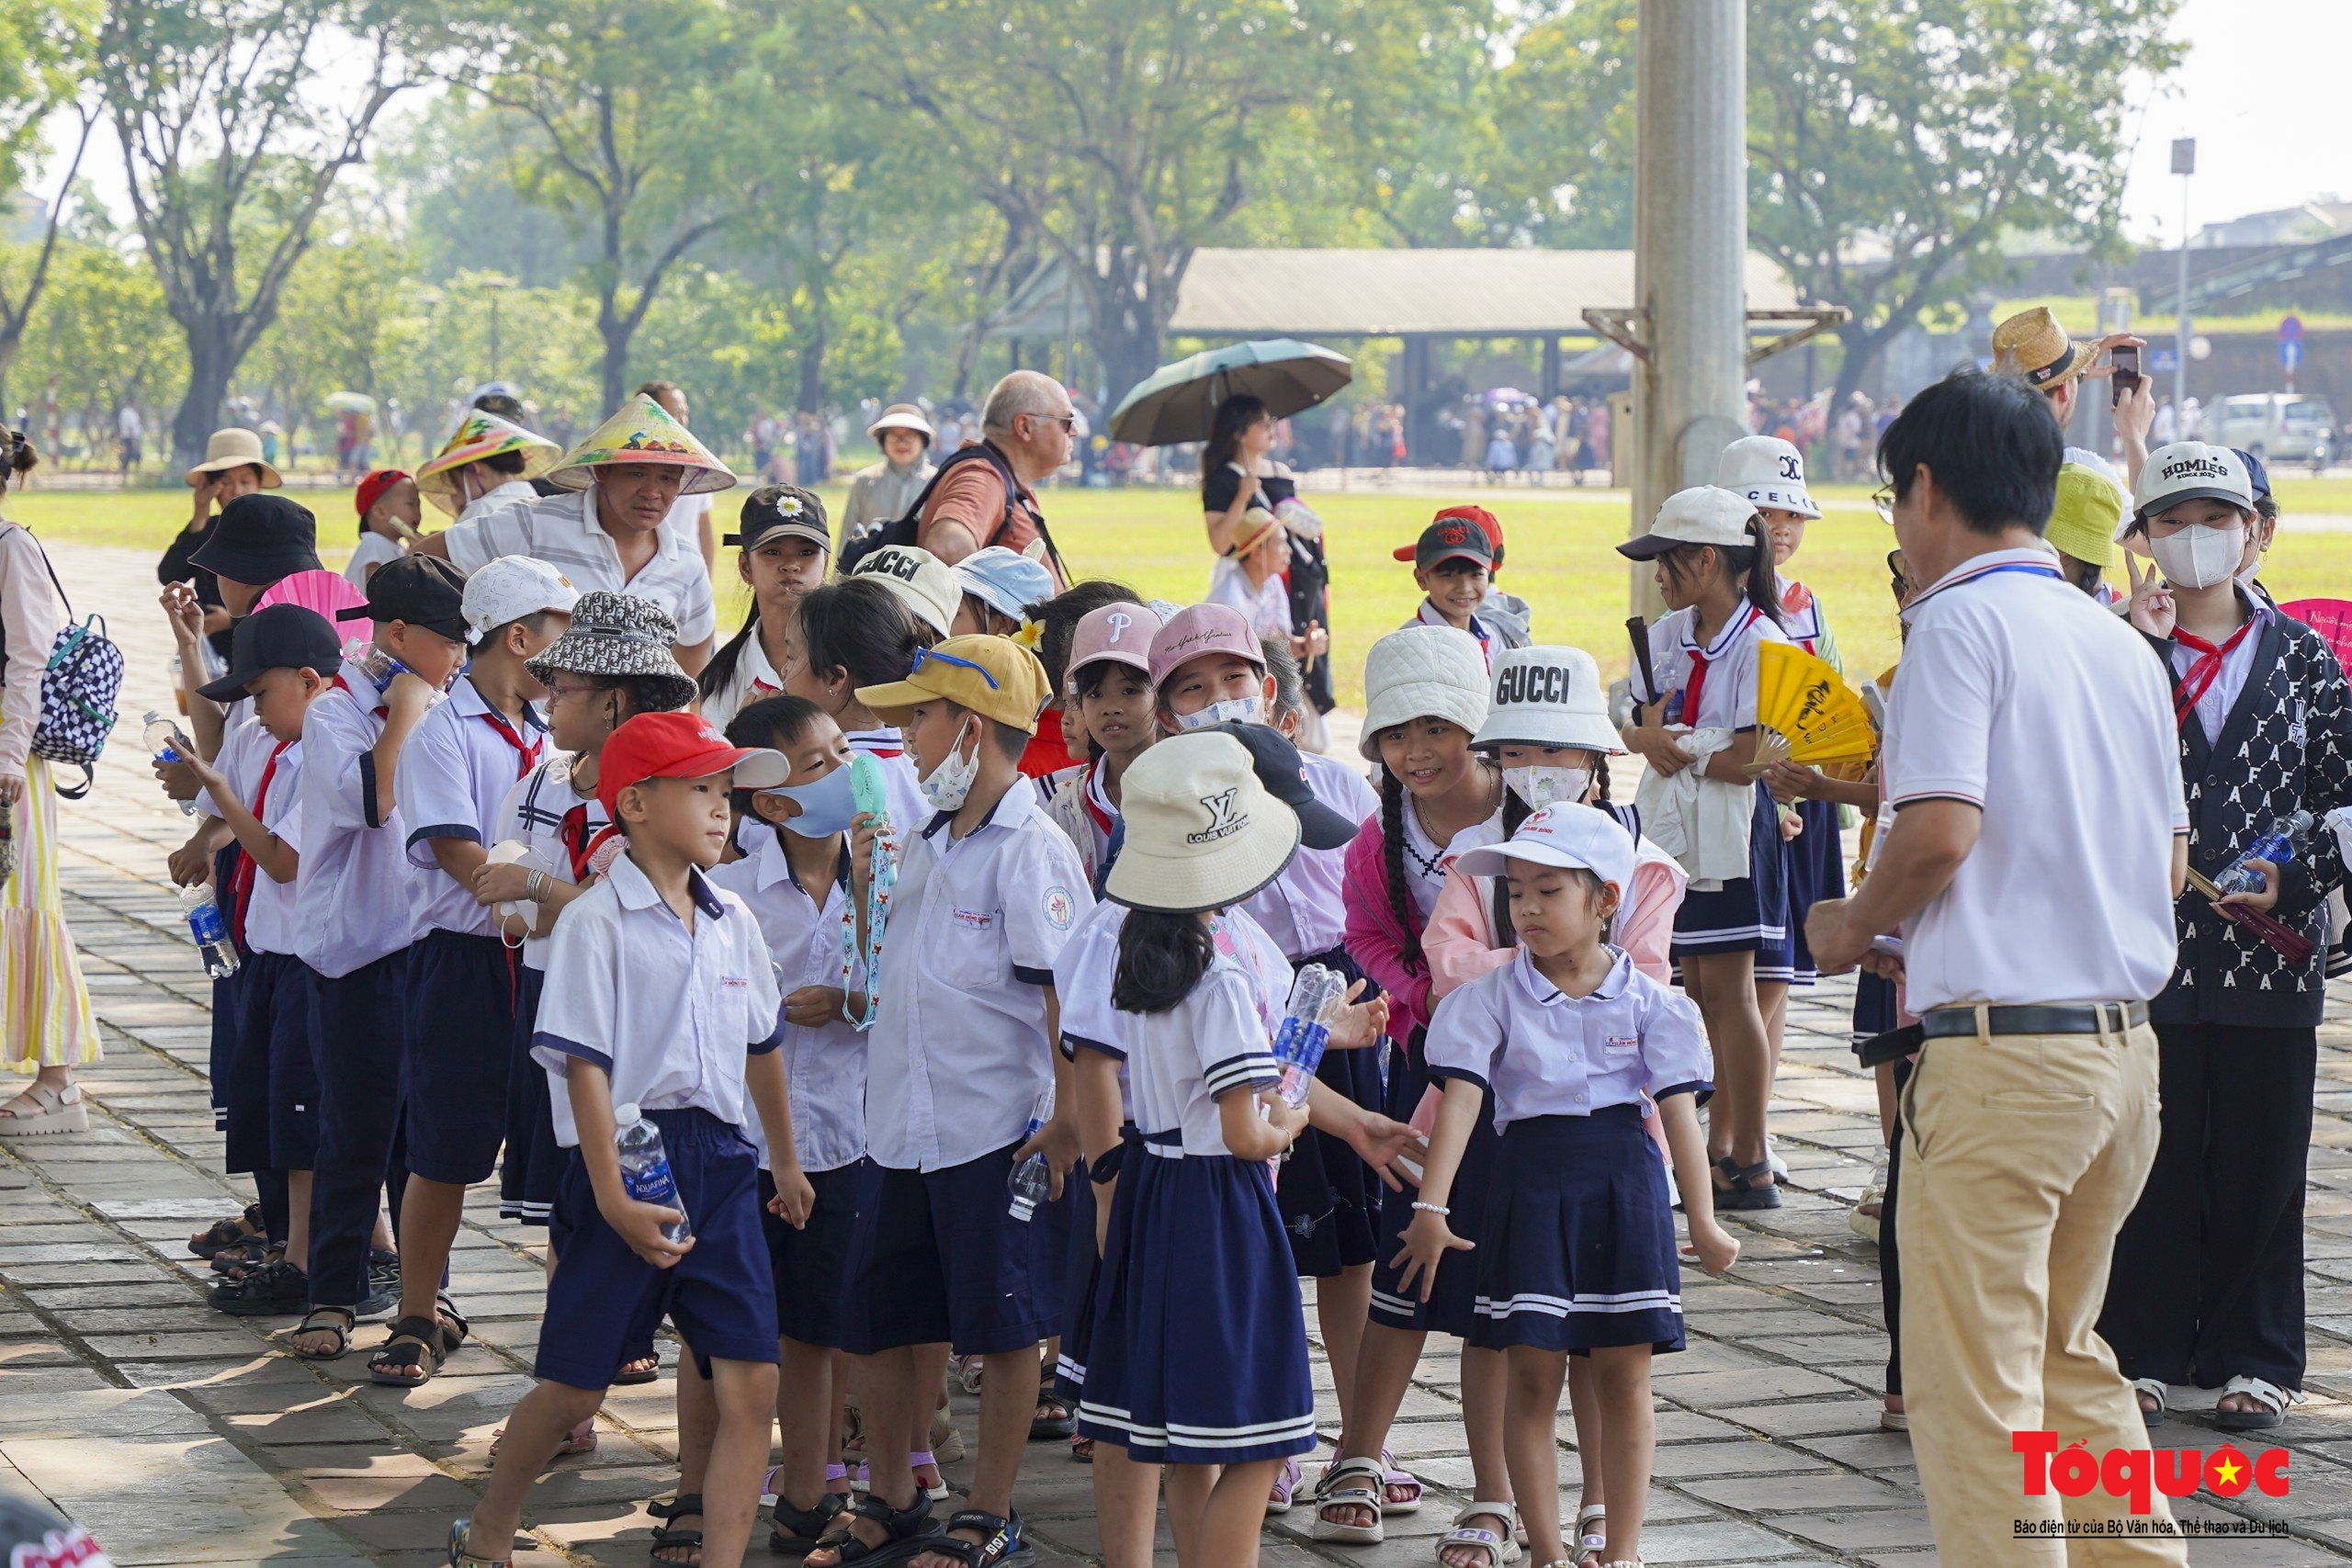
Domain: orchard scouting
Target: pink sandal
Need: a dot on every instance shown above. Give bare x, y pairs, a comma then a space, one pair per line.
1395, 1480
1286, 1486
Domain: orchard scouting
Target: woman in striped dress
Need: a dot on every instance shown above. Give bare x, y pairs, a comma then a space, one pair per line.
45, 1022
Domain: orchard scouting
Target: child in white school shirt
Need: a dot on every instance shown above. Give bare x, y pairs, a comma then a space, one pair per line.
661, 997
458, 768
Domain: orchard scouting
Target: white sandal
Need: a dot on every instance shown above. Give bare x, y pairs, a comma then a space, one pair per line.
1591, 1538
61, 1111
2271, 1405
2155, 1389
1501, 1547
1351, 1484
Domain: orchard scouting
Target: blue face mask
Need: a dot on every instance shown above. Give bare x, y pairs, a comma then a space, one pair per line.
826, 806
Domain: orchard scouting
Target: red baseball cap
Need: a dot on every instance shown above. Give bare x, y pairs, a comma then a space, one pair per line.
372, 488
1478, 515
678, 746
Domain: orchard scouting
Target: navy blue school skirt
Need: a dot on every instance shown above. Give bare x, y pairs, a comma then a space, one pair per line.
1577, 1250
1749, 914
1875, 1009
533, 1166
1199, 1348
1816, 871
1081, 1279
1453, 1304
1329, 1198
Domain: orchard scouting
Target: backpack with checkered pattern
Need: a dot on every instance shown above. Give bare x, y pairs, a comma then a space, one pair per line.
79, 688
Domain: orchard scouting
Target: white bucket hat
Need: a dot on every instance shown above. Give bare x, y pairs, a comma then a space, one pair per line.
902, 416
1549, 696
1767, 472
1421, 672
1201, 832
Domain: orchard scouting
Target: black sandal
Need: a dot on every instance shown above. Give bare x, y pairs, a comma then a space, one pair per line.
667, 1538
456, 1328
624, 1376
420, 1355
905, 1531
227, 1233
1000, 1539
1743, 1191
1051, 1428
798, 1530
310, 1324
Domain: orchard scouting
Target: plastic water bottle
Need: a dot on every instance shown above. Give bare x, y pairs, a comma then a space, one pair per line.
1031, 1182
163, 741
1306, 1030
206, 924
2279, 843
644, 1169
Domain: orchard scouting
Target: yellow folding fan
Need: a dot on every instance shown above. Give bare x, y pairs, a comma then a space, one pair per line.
1806, 712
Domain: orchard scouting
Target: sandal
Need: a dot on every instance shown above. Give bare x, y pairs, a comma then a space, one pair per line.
798, 1531
317, 1322
2271, 1405
1744, 1191
274, 1289
54, 1111
581, 1439
1000, 1539
2155, 1389
965, 1371
1081, 1450
1593, 1538
946, 1441
921, 1460
1395, 1480
667, 1538
240, 1258
459, 1557
429, 1344
905, 1531
230, 1232
1351, 1484
634, 1372
1285, 1487
1499, 1546
1051, 1428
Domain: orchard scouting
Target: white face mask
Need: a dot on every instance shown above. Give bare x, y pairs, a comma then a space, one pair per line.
1233, 710
2200, 555
946, 785
1542, 786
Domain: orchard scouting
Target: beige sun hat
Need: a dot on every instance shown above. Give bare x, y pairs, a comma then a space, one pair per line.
1201, 832
481, 435
642, 430
902, 416
234, 448
2033, 347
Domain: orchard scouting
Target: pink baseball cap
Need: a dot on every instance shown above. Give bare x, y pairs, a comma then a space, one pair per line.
1116, 633
1199, 629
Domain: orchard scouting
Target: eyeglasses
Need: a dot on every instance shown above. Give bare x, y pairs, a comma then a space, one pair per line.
930, 656
1884, 499
557, 693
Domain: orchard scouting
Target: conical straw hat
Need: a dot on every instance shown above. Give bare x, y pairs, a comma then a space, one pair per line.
643, 431
481, 435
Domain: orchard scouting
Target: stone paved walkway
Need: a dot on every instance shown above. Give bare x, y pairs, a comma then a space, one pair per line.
182, 1436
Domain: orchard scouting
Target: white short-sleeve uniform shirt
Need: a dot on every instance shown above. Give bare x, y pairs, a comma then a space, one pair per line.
672, 1014
564, 832
1726, 666
959, 1053
249, 757
461, 761
357, 896
1181, 1061
562, 531
2018, 694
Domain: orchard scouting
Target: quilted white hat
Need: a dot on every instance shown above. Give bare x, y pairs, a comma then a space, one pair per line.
1422, 672
1549, 696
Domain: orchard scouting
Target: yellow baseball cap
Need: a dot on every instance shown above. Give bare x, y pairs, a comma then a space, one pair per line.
993, 676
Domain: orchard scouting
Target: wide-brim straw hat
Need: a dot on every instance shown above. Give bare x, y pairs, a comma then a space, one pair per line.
234, 448
1201, 831
642, 430
618, 634
481, 435
2033, 347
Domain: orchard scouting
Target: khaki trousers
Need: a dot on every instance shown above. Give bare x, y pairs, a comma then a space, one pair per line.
2023, 1155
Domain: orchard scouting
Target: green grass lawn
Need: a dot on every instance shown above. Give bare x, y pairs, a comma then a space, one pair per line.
1560, 560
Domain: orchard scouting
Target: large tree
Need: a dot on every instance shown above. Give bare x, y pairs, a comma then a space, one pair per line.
1121, 137
640, 123
232, 138
44, 59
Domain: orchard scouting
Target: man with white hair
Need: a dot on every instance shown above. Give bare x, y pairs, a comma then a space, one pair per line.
984, 493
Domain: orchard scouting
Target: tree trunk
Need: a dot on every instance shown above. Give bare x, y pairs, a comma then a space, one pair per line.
812, 374
1129, 351
616, 334
211, 359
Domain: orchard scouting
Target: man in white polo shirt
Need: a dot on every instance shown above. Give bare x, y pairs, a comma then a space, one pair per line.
2039, 841
614, 530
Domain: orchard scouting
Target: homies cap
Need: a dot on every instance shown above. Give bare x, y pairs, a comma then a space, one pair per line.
1198, 630
2191, 470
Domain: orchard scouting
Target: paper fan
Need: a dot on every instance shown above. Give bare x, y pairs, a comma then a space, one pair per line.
1808, 713
325, 591
2332, 618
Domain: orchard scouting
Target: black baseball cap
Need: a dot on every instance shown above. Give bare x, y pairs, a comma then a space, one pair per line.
782, 509
259, 538
283, 637
1453, 538
1285, 776
421, 591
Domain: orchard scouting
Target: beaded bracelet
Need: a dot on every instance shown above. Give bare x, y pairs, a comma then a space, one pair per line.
1438, 1209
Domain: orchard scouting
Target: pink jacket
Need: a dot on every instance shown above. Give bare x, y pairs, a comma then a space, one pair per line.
1375, 940
1460, 940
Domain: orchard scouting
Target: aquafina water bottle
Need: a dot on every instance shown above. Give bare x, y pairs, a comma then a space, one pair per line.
644, 1169
1031, 1182
164, 742
1306, 1030
209, 930
2279, 843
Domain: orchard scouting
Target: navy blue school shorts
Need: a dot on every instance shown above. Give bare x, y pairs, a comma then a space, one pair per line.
811, 1265
460, 1040
940, 1259
272, 1093
720, 1296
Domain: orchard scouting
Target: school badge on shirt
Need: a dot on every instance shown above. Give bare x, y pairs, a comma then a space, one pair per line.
1060, 908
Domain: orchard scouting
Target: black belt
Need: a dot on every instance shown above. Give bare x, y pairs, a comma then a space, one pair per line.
1939, 1023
